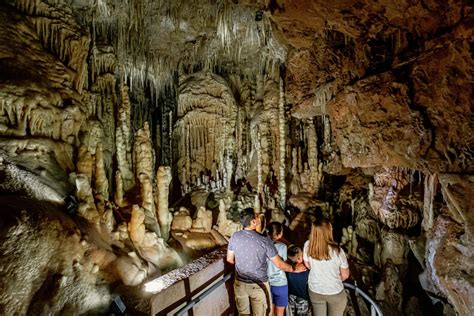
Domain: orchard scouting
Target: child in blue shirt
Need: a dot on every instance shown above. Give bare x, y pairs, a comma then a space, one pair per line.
298, 300
276, 277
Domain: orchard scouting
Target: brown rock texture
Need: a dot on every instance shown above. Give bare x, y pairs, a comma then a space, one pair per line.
44, 266
374, 125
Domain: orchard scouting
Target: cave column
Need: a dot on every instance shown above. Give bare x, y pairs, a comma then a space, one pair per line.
315, 167
282, 145
122, 138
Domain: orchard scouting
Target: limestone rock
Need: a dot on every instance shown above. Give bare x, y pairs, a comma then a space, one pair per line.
182, 220
163, 180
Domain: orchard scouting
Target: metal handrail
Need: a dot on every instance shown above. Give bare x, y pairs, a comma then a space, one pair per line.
200, 297
374, 307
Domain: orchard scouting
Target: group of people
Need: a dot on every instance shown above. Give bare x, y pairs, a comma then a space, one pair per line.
271, 277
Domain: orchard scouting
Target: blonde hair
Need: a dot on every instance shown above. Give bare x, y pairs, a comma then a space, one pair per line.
321, 240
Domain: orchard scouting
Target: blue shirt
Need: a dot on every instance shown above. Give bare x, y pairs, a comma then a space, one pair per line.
251, 252
276, 276
298, 284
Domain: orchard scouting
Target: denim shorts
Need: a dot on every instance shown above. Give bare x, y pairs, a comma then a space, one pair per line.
279, 295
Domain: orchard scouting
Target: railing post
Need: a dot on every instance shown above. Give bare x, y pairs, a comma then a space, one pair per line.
374, 307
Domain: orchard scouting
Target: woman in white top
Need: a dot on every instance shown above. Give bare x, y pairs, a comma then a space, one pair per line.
328, 264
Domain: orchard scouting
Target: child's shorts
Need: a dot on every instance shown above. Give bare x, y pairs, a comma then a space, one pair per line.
279, 295
298, 306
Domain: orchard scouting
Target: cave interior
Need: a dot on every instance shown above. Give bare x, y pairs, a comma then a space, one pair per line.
133, 132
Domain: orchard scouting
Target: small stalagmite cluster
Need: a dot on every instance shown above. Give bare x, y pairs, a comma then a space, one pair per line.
132, 133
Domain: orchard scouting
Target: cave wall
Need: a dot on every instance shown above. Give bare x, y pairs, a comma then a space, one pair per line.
360, 109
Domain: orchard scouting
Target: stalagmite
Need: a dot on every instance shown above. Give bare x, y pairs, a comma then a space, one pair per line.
85, 163
150, 247
327, 133
315, 167
148, 203
118, 194
394, 247
130, 269
163, 180
143, 159
229, 168
136, 227
203, 221
101, 183
143, 154
390, 289
123, 140
87, 208
430, 188
295, 185
282, 146
182, 220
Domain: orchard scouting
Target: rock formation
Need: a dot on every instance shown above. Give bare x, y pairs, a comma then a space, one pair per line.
132, 133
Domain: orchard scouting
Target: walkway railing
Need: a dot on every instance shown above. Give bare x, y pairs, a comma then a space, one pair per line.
205, 293
375, 309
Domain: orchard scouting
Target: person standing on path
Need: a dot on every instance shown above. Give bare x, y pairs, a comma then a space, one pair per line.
277, 278
298, 298
328, 268
249, 251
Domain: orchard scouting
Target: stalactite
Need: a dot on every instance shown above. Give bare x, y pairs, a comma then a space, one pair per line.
59, 33
322, 95
282, 145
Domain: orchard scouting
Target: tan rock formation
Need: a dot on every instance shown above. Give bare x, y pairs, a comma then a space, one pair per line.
163, 180
386, 203
124, 159
226, 226
87, 207
203, 221
182, 220
150, 247
85, 163
101, 183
